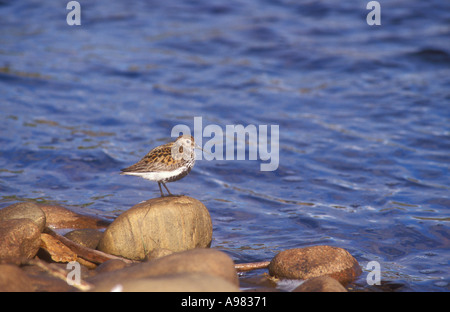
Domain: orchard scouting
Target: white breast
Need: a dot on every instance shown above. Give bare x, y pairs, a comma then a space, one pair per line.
157, 176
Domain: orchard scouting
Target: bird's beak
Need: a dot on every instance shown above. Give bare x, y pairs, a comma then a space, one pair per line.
199, 147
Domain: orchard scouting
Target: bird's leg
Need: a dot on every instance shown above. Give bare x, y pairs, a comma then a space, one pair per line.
159, 184
167, 188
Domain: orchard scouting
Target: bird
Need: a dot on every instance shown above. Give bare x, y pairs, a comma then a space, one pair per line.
166, 163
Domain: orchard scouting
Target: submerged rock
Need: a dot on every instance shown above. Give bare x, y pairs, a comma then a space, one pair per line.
175, 223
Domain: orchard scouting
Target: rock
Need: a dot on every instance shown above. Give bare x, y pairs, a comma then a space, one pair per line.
305, 263
53, 249
62, 218
24, 211
202, 261
13, 279
258, 283
20, 238
85, 263
320, 284
176, 223
111, 265
86, 237
158, 253
184, 282
43, 281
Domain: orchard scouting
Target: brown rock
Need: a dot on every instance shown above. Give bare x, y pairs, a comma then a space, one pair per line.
55, 250
86, 263
62, 218
13, 279
86, 237
20, 238
158, 253
183, 282
203, 261
321, 284
111, 265
43, 281
176, 223
24, 211
305, 263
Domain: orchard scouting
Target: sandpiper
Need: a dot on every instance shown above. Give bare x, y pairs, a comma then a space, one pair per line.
166, 163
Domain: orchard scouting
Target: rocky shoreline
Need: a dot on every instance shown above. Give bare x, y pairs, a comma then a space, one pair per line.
162, 244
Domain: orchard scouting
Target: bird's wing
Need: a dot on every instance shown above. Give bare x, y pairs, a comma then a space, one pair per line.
158, 159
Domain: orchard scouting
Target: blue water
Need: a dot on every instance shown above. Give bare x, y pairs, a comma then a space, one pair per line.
363, 113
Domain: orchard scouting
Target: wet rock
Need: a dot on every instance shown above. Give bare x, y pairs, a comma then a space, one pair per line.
184, 282
24, 211
202, 261
308, 262
86, 237
59, 217
176, 223
13, 279
54, 250
321, 284
20, 238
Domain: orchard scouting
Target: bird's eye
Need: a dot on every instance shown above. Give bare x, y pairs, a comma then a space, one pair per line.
188, 141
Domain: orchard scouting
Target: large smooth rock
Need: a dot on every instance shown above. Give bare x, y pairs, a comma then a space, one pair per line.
24, 211
20, 238
202, 261
308, 262
175, 223
184, 282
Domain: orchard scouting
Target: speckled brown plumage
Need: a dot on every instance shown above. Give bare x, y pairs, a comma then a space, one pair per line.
161, 166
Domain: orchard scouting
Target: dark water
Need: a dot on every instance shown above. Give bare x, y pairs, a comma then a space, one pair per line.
363, 113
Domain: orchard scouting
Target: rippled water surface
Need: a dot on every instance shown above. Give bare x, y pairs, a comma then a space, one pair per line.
363, 115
